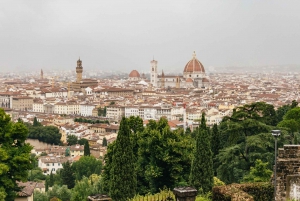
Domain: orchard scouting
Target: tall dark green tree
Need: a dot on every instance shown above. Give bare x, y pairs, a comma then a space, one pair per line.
215, 140
201, 176
51, 179
14, 156
104, 142
36, 123
67, 175
123, 181
86, 150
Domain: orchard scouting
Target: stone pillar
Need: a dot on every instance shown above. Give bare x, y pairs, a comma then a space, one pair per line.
185, 194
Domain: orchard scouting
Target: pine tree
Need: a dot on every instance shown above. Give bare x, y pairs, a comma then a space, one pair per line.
86, 150
123, 176
67, 175
201, 176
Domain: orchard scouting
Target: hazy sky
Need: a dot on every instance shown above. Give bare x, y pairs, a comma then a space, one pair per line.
126, 34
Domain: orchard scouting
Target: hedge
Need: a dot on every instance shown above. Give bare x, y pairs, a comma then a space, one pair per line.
249, 191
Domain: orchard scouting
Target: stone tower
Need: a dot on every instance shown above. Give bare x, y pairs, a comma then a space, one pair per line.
42, 74
79, 70
153, 73
177, 82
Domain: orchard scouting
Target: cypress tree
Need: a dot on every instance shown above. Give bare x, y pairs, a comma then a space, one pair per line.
46, 185
201, 176
86, 150
123, 176
51, 180
104, 142
215, 140
35, 122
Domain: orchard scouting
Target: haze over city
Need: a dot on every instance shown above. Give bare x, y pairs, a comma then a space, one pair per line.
126, 35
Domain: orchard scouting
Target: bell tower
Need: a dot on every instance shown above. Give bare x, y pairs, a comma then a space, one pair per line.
79, 70
153, 73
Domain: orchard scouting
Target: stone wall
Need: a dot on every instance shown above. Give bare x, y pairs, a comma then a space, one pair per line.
288, 173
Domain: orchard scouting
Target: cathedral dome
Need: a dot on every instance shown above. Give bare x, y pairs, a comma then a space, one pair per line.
194, 65
189, 80
134, 73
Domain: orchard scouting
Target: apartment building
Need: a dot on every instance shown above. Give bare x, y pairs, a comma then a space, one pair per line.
22, 103
86, 109
67, 108
115, 112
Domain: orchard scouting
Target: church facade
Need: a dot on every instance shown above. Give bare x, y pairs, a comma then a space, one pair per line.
193, 76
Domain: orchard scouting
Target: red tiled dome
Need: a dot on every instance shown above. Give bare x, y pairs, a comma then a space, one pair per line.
189, 80
205, 80
134, 73
194, 65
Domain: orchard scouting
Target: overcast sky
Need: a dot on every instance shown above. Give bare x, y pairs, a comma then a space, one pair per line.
126, 34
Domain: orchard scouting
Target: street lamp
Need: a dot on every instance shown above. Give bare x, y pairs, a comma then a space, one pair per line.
276, 134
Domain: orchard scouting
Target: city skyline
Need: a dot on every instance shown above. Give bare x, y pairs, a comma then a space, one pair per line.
127, 35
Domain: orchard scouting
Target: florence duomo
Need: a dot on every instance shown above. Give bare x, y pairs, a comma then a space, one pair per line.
193, 76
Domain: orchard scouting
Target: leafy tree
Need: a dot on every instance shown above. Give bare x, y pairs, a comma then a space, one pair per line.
104, 142
123, 183
258, 173
40, 196
14, 155
294, 104
64, 193
202, 165
293, 114
164, 157
102, 112
86, 150
48, 134
86, 166
135, 124
36, 174
86, 187
82, 141
188, 131
72, 140
67, 175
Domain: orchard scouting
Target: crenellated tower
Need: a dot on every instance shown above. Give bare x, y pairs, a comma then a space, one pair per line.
153, 73
79, 70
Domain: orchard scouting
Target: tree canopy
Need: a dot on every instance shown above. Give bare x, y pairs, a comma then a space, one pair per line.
14, 155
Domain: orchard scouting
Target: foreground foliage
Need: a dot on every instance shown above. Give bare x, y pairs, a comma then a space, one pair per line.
254, 191
14, 156
202, 165
122, 184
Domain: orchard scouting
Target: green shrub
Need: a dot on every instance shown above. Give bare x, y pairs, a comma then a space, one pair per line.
255, 191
